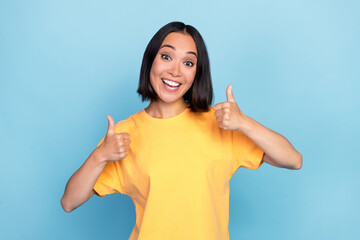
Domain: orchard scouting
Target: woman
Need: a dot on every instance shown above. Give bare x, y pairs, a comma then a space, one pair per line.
182, 152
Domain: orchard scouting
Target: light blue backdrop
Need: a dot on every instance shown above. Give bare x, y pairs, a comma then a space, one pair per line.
294, 66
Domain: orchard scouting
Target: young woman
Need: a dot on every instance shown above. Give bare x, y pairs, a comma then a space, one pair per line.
182, 152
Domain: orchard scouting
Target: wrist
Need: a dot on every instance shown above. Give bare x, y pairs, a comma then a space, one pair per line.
99, 156
247, 125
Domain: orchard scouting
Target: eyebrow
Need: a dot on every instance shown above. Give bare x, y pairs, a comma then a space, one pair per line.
172, 47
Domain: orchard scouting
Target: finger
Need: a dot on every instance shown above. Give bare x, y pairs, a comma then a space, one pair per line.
124, 135
124, 154
215, 107
229, 95
218, 113
111, 126
124, 150
222, 124
120, 138
126, 142
219, 106
219, 119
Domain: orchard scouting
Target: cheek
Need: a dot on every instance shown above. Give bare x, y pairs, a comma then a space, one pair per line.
156, 67
154, 71
191, 76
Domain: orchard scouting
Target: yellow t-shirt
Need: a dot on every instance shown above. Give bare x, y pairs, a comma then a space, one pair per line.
177, 174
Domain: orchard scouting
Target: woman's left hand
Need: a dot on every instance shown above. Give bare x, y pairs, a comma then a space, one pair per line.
228, 114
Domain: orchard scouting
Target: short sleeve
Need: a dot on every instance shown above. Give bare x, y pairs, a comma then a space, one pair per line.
109, 180
246, 153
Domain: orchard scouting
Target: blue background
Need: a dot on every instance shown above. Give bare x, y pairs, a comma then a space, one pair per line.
294, 66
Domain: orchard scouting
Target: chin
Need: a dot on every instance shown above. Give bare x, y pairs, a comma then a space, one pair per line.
169, 100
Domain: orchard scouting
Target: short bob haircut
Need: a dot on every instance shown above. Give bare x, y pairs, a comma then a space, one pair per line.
200, 94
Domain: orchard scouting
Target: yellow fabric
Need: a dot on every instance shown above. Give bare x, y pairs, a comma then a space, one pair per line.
177, 174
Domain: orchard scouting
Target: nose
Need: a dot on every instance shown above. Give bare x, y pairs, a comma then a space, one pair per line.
175, 69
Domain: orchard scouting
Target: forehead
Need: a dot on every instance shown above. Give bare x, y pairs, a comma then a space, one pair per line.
180, 41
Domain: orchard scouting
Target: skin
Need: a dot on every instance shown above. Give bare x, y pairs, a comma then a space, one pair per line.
79, 188
176, 64
173, 63
278, 151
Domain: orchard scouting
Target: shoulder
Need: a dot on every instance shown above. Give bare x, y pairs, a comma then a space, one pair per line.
126, 125
209, 115
205, 114
205, 119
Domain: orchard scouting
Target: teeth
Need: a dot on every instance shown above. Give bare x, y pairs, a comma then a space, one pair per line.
171, 83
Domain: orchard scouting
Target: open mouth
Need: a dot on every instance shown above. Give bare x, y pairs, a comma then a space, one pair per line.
171, 84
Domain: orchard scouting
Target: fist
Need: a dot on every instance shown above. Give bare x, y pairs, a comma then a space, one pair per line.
116, 146
228, 114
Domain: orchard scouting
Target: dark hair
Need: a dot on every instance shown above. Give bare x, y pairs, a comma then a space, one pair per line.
200, 94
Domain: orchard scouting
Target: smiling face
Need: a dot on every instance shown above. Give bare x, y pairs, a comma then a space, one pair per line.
174, 67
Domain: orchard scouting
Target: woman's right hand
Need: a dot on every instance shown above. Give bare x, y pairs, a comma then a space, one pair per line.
116, 146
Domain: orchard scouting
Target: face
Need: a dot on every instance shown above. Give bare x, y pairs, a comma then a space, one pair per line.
174, 67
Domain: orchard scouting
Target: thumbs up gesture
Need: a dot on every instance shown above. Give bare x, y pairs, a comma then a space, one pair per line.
116, 146
228, 114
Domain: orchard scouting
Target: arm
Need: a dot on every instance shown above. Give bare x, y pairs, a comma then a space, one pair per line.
278, 151
79, 188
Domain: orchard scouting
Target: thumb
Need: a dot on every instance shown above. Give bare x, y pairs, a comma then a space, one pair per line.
229, 95
111, 126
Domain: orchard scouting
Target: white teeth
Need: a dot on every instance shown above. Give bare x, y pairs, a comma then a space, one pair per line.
171, 83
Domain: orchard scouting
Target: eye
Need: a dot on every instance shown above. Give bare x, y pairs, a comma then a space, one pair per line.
165, 56
189, 64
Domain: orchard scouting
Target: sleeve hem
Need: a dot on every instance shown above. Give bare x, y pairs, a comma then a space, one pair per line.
98, 194
99, 191
102, 191
259, 158
255, 164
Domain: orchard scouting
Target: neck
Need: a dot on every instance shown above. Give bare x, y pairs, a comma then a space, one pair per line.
161, 109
